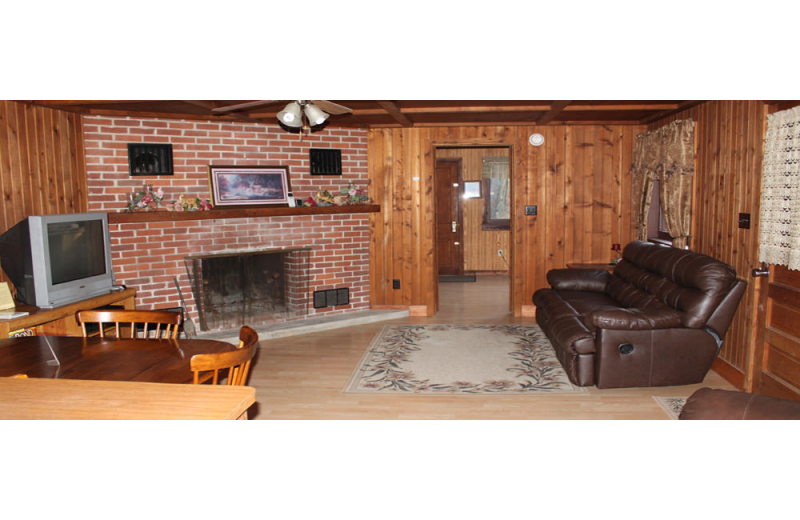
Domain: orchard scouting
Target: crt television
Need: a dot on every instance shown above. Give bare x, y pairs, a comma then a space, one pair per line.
55, 260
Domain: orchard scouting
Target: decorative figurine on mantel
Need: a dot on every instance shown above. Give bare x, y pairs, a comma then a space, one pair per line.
349, 196
189, 204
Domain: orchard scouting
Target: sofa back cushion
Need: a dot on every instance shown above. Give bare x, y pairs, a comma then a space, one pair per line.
691, 283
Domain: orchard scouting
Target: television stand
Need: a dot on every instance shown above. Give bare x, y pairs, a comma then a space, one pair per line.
60, 321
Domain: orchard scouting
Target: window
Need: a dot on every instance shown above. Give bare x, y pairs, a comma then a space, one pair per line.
656, 226
496, 193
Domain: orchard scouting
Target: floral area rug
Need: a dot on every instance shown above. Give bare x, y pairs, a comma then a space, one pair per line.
461, 359
671, 405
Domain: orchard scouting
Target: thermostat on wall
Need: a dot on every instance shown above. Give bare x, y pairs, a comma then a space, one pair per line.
536, 139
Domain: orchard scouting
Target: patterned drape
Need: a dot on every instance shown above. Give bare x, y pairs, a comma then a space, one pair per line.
666, 154
779, 233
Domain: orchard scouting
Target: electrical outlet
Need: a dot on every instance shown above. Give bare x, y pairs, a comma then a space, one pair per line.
499, 252
531, 210
395, 284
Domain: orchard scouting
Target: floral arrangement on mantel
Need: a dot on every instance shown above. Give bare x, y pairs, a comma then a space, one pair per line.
148, 199
349, 196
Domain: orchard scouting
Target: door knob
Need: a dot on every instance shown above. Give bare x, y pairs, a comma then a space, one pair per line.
761, 271
455, 226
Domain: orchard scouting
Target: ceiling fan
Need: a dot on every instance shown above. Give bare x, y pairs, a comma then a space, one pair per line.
296, 114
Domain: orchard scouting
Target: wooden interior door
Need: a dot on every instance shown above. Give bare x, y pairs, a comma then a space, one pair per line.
776, 363
449, 231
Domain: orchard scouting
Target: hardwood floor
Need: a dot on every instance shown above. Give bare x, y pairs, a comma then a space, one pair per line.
302, 377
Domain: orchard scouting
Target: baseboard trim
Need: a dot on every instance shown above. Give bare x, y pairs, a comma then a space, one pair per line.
413, 310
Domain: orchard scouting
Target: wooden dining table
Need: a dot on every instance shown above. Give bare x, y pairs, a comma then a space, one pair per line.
104, 359
59, 399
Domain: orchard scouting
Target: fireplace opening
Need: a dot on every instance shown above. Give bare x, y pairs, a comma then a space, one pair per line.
232, 289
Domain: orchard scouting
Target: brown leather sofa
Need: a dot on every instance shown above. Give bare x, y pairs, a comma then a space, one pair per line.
708, 403
659, 319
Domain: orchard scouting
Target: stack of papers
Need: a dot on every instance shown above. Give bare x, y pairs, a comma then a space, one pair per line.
12, 314
7, 310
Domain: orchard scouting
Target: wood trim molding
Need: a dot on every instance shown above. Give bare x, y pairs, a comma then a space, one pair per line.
729, 372
169, 216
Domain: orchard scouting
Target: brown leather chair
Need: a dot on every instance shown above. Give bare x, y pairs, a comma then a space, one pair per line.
708, 403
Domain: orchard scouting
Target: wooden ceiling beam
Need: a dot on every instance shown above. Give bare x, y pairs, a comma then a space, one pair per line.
395, 112
92, 102
211, 106
619, 108
555, 109
666, 113
468, 109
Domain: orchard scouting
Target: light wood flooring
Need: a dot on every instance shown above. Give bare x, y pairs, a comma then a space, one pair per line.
302, 377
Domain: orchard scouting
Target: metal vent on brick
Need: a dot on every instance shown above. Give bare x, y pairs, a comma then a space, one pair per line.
150, 159
331, 298
325, 161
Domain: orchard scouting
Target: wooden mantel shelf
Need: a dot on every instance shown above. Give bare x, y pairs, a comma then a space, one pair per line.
166, 216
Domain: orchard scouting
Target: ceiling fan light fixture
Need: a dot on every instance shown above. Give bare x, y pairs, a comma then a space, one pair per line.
291, 115
315, 115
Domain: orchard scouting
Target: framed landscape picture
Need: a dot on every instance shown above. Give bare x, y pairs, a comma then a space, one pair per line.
249, 185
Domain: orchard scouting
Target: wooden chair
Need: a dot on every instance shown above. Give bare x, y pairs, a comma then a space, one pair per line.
128, 323
247, 336
237, 361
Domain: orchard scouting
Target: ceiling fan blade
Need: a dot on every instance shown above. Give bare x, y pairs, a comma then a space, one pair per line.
332, 108
242, 106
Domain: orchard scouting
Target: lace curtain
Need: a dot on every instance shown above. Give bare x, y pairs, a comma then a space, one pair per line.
666, 154
779, 235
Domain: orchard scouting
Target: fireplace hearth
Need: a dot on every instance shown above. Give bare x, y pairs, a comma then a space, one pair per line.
238, 288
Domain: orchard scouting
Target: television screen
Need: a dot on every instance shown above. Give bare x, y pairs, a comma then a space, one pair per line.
77, 250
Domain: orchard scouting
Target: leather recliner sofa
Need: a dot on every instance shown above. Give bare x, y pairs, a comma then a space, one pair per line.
658, 320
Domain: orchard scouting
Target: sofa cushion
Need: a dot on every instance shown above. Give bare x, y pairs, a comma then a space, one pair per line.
584, 302
592, 280
653, 317
690, 283
564, 323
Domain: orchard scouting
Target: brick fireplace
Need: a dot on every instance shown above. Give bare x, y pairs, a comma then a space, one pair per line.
148, 256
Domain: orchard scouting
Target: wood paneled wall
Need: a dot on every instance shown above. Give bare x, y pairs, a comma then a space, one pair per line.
729, 136
578, 179
42, 165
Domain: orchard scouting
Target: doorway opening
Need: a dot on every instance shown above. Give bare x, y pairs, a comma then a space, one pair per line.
472, 194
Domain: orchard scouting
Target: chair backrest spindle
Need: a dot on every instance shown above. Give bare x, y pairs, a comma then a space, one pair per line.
157, 324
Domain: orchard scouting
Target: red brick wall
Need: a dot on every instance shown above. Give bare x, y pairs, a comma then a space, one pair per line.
148, 256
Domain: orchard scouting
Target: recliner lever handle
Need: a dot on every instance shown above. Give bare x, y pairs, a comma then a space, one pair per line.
625, 348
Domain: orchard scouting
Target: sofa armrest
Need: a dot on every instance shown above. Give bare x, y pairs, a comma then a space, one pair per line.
633, 319
591, 280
